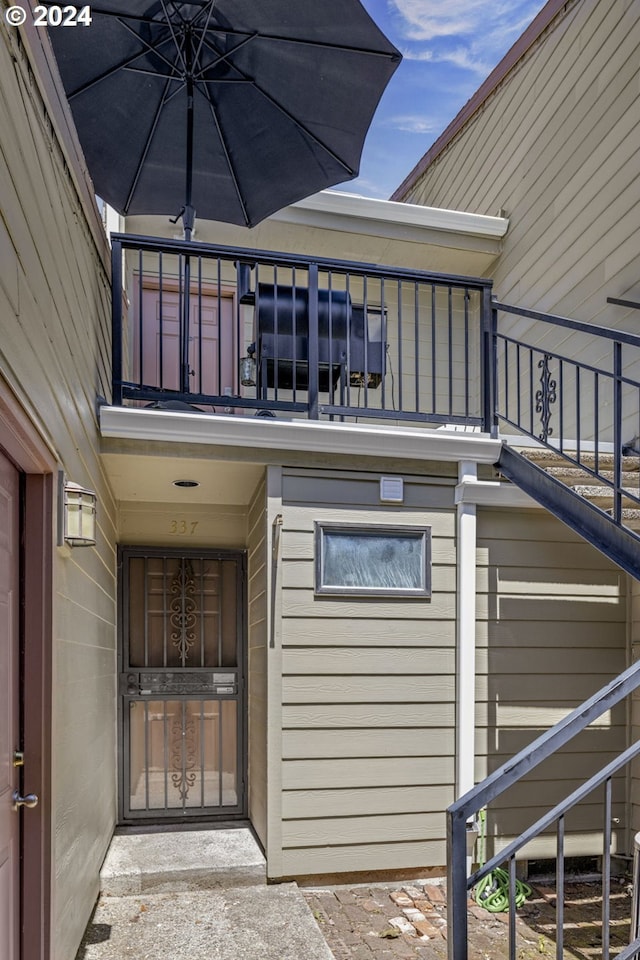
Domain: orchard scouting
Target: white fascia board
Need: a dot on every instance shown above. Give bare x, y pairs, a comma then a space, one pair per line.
346, 206
492, 493
407, 443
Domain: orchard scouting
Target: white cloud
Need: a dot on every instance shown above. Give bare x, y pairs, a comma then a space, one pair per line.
470, 34
426, 19
429, 19
412, 123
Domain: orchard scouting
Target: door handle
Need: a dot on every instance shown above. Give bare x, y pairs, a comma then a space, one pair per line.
31, 800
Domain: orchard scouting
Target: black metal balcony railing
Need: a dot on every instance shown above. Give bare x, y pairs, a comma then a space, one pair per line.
319, 339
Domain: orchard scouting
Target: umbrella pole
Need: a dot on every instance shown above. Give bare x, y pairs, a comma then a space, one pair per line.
188, 217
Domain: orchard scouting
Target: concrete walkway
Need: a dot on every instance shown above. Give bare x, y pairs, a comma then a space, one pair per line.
197, 894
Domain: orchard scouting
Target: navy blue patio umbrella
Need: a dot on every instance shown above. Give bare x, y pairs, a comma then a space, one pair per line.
233, 108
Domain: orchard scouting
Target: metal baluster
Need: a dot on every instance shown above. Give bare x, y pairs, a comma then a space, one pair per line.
165, 753
457, 921
400, 348
383, 340
116, 323
349, 332
531, 392
313, 346
164, 611
578, 454
276, 335
330, 340
140, 319
365, 341
560, 889
617, 431
161, 322
146, 753
512, 908
200, 370
506, 379
466, 352
219, 603
450, 346
596, 427
183, 754
433, 349
561, 395
220, 782
416, 344
145, 611
518, 390
606, 871
201, 612
202, 768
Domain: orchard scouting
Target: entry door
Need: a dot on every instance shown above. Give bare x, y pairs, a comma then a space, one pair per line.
213, 350
9, 711
182, 685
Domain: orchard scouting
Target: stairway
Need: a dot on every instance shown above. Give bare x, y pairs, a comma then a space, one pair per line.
581, 500
591, 488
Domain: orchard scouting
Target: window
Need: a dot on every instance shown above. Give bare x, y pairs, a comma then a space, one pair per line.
366, 560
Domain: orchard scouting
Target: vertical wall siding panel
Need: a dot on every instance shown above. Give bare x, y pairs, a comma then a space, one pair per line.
54, 356
368, 689
549, 635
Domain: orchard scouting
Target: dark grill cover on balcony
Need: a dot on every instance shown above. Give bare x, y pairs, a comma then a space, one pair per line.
282, 334
233, 107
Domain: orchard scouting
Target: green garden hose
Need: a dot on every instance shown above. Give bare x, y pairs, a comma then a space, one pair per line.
492, 892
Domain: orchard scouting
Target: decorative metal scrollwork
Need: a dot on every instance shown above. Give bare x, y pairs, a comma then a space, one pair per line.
183, 753
546, 396
182, 616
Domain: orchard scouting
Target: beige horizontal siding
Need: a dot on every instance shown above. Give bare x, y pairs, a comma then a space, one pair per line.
367, 688
55, 336
550, 635
403, 855
555, 146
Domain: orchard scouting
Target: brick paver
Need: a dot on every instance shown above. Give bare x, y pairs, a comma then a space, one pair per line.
408, 922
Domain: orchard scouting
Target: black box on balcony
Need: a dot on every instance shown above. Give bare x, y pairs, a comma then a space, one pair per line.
282, 340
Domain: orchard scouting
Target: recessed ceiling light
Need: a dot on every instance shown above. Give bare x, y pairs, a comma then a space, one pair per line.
186, 483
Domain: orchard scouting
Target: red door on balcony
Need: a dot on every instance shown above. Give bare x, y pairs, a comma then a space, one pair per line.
213, 342
9, 716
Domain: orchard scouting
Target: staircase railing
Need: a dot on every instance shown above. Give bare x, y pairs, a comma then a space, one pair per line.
573, 387
464, 810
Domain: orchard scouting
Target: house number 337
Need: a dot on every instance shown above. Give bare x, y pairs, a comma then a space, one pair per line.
185, 528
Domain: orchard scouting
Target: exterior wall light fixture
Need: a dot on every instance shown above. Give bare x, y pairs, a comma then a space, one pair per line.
76, 514
248, 368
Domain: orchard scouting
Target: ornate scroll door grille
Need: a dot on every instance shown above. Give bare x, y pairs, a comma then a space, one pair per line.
182, 685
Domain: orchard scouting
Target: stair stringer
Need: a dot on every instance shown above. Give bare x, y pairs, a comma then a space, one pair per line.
587, 520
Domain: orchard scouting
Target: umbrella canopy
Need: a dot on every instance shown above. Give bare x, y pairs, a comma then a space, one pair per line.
233, 107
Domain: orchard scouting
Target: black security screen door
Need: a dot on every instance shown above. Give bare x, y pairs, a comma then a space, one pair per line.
182, 685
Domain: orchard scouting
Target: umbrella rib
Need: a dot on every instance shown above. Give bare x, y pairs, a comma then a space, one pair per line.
147, 147
205, 93
155, 73
173, 34
204, 29
322, 44
104, 76
296, 123
221, 56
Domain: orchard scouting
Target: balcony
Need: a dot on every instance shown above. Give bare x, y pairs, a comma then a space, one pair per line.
251, 333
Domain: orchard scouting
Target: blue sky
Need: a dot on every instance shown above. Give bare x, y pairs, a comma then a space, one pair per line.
449, 48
